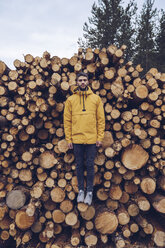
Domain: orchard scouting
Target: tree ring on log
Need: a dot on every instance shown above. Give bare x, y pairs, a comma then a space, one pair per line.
134, 157
23, 221
106, 222
47, 160
15, 199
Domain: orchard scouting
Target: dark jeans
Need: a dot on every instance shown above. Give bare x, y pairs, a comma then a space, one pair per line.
85, 152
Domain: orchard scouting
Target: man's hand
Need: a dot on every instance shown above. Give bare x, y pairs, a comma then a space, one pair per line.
70, 145
98, 143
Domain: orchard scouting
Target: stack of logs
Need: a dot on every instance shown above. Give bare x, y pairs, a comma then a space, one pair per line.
38, 185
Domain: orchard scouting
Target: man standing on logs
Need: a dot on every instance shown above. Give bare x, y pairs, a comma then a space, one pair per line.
84, 124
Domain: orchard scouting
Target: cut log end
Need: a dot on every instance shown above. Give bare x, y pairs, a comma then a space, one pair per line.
130, 155
102, 221
23, 221
15, 199
47, 160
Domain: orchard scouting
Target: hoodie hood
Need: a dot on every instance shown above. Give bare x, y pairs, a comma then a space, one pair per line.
77, 90
83, 94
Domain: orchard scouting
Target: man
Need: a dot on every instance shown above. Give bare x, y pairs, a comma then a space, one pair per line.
84, 124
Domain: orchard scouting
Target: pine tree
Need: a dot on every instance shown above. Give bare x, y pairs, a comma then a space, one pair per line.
160, 41
108, 25
146, 33
126, 34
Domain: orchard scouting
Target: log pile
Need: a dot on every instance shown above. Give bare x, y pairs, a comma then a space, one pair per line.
38, 185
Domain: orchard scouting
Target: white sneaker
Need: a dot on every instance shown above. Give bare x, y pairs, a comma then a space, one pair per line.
88, 198
80, 197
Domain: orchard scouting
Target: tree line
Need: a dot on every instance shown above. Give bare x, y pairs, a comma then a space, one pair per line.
143, 32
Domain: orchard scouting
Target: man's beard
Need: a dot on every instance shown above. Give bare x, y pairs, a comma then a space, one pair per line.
83, 88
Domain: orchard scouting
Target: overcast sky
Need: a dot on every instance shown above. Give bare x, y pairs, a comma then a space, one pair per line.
35, 26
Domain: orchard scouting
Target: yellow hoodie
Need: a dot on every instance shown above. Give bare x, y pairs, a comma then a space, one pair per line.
84, 120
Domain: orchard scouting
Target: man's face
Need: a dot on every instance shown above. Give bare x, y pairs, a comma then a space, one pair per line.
82, 82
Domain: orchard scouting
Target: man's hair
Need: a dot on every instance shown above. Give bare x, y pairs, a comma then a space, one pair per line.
81, 74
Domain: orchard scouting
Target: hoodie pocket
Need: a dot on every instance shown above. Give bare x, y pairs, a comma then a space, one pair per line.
84, 124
